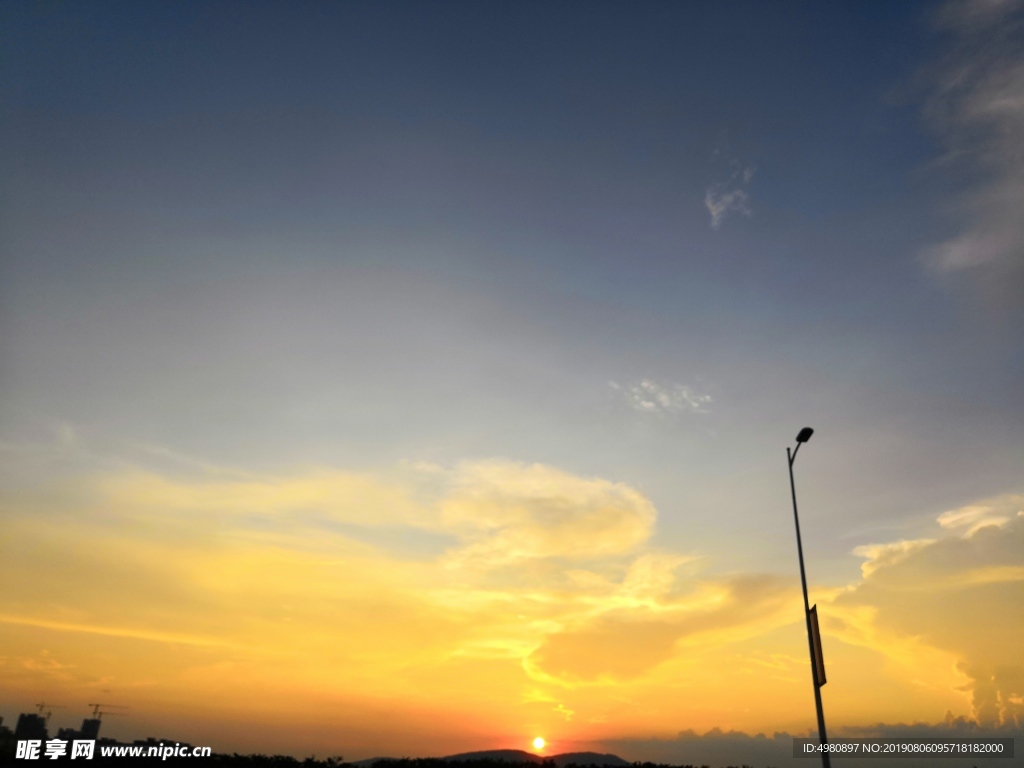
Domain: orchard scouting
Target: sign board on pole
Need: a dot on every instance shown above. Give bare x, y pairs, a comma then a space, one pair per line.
819, 658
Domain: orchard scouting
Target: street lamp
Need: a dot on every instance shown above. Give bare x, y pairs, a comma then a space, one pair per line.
810, 614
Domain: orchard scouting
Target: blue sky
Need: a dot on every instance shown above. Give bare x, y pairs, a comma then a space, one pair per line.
643, 243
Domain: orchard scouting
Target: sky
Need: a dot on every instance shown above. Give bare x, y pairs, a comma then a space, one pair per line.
414, 378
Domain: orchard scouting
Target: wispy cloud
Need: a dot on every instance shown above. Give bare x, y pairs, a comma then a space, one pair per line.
505, 513
729, 197
977, 106
992, 512
648, 396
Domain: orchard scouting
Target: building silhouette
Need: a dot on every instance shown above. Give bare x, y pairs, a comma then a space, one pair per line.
31, 726
90, 730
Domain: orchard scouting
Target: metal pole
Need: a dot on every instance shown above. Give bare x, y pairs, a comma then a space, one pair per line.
823, 739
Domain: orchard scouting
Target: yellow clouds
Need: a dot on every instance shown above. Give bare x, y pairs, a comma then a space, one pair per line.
510, 512
331, 494
340, 577
996, 511
499, 512
628, 638
885, 555
606, 650
494, 592
501, 592
962, 594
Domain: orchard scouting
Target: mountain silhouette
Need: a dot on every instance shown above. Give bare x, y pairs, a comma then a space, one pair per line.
501, 755
587, 758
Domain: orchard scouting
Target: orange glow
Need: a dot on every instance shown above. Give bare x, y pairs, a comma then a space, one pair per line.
147, 593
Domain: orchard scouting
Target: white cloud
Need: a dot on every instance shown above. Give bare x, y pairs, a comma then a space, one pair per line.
992, 512
729, 197
883, 555
977, 106
505, 512
647, 396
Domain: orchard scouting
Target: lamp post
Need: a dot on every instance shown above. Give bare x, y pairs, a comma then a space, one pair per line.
810, 615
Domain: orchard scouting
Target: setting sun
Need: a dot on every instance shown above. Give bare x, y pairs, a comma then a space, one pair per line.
539, 743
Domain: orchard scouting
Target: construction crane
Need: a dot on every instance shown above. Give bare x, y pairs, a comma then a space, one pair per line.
98, 710
49, 708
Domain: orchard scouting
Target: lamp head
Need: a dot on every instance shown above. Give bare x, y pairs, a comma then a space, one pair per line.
805, 435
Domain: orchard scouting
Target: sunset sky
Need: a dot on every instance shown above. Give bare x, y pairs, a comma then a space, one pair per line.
411, 378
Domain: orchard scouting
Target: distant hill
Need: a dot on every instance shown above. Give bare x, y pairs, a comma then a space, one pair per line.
588, 758
501, 755
519, 756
